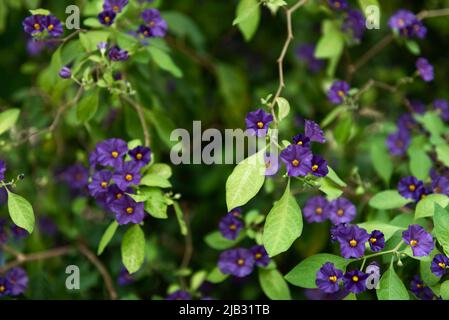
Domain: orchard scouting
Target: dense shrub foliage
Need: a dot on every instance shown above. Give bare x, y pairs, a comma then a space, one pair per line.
346, 197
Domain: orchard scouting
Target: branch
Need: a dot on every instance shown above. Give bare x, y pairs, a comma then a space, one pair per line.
139, 110
433, 13
188, 249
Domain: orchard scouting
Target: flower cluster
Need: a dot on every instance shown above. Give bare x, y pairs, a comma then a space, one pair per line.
14, 283
110, 10
328, 279
240, 262
425, 69
154, 25
412, 188
353, 19
319, 209
406, 24
352, 240
231, 224
116, 171
41, 26
420, 290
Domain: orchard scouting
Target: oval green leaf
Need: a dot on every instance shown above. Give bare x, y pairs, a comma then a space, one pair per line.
20, 211
389, 199
133, 248
273, 284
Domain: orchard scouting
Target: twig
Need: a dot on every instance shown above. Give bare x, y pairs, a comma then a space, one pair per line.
139, 110
101, 268
433, 13
188, 249
13, 252
281, 58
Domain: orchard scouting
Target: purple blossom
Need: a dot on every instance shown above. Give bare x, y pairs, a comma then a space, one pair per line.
65, 73
179, 295
47, 226
52, 25
407, 24
341, 210
271, 164
316, 209
100, 182
107, 17
230, 227
110, 152
2, 169
338, 92
36, 24
115, 193
440, 184
127, 175
236, 212
116, 54
439, 265
238, 262
35, 47
442, 107
157, 24
418, 106
411, 188
338, 4
319, 166
398, 142
420, 290
257, 122
128, 211
376, 241
261, 257
419, 239
75, 176
144, 31
114, 5
352, 241
306, 53
328, 278
5, 287
141, 156
102, 46
425, 69
297, 159
313, 132
124, 278
301, 140
406, 122
355, 281
33, 24
354, 23
18, 281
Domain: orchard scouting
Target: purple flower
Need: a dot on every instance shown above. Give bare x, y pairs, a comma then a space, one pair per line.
35, 47
376, 241
328, 278
411, 188
75, 176
316, 209
127, 175
419, 239
406, 122
355, 23
144, 31
341, 210
398, 142
271, 164
440, 184
442, 107
102, 46
420, 290
425, 69
306, 53
338, 92
301, 140
236, 212
319, 166
100, 182
36, 24
354, 281
141, 156
238, 262
179, 295
2, 169
338, 231
107, 17
33, 24
124, 277
352, 241
52, 25
261, 257
5, 287
439, 265
157, 24
18, 232
297, 159
114, 5
117, 54
128, 211
110, 152
18, 281
418, 106
407, 24
337, 4
65, 73
314, 132
257, 122
115, 193
230, 227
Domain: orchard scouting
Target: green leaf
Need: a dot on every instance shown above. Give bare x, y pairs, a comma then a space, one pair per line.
245, 180
389, 199
88, 106
444, 290
41, 11
107, 237
161, 169
331, 43
216, 241
92, 22
90, 40
274, 5
8, 119
284, 108
273, 284
426, 206
283, 224
248, 17
180, 217
184, 26
413, 47
443, 153
366, 3
133, 248
216, 276
304, 274
381, 160
420, 162
426, 275
441, 227
329, 188
156, 203
387, 229
20, 211
433, 123
332, 175
155, 180
343, 129
197, 279
391, 287
164, 61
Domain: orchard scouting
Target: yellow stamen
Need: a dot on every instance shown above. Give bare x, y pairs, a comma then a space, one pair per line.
340, 212
152, 23
118, 195
37, 26
333, 279
353, 243
412, 187
139, 156
341, 93
260, 124
114, 154
128, 177
2, 289
295, 163
413, 243
116, 8
442, 265
258, 255
129, 210
240, 262
51, 27
319, 210
233, 227
355, 279
373, 240
107, 19
104, 184
314, 168
299, 143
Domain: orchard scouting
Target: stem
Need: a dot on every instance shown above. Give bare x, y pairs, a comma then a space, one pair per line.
433, 13
139, 110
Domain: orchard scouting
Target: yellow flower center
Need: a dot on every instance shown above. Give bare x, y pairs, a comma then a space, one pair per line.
353, 243
129, 210
412, 187
118, 195
139, 156
437, 190
340, 212
401, 22
37, 26
337, 5
240, 262
152, 23
114, 154
107, 19
314, 168
258, 255
413, 242
233, 227
116, 8
319, 210
341, 93
260, 124
104, 184
355, 279
51, 27
128, 177
373, 240
419, 285
333, 279
299, 143
295, 163
442, 265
